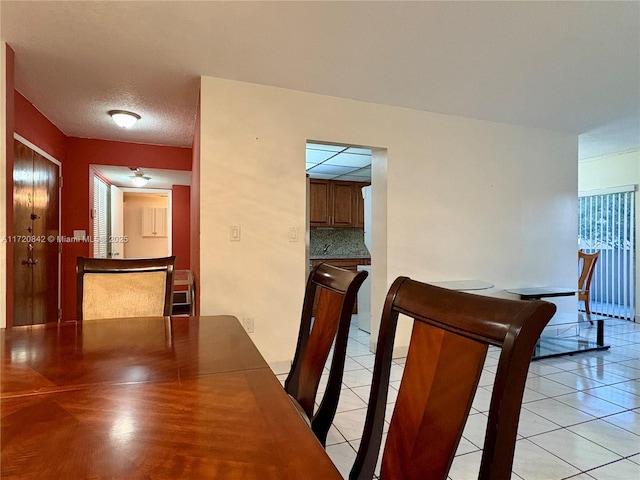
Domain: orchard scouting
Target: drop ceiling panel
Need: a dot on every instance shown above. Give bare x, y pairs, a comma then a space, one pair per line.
325, 147
330, 169
338, 162
318, 156
350, 160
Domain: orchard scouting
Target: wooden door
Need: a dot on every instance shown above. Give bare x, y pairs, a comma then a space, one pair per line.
36, 229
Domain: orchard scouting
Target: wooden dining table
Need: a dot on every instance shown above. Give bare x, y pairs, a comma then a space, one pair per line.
148, 398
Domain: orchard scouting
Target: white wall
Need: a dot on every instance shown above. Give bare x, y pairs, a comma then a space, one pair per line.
464, 199
609, 171
602, 173
3, 185
138, 246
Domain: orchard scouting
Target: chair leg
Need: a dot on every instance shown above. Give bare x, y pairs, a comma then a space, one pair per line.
587, 309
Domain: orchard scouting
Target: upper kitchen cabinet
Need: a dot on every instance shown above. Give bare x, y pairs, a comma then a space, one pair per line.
335, 204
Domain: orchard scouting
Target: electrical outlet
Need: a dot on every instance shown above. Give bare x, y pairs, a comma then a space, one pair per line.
247, 323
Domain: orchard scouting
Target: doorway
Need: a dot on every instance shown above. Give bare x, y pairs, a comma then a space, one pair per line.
339, 214
36, 227
146, 222
607, 222
133, 211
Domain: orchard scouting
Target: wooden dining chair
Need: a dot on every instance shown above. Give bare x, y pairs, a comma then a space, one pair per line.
109, 288
589, 261
326, 315
451, 334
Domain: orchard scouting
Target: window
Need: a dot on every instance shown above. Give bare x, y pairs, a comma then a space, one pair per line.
607, 223
100, 218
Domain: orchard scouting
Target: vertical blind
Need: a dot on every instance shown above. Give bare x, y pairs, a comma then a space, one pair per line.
607, 223
100, 217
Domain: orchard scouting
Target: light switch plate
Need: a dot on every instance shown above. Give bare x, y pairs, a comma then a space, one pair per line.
234, 233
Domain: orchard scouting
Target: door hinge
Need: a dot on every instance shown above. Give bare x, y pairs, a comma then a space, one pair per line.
59, 314
60, 181
59, 247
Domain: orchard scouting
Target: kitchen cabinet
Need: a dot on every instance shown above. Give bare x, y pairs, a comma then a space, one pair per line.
335, 203
154, 222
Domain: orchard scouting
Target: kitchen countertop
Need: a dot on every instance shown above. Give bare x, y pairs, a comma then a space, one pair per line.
338, 256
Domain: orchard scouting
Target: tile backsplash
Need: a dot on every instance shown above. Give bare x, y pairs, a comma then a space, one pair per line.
342, 243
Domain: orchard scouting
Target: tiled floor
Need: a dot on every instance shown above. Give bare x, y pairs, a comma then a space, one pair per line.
580, 417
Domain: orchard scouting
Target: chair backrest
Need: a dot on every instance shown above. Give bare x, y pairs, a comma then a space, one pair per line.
332, 291
588, 266
109, 288
450, 338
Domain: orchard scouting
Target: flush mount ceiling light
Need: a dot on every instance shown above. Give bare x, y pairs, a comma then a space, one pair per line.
139, 179
123, 118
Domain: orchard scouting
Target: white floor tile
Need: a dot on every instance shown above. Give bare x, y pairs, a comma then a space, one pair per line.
482, 399
548, 387
475, 429
366, 361
362, 392
531, 396
558, 412
588, 403
541, 368
635, 363
571, 379
629, 420
631, 386
465, 446
532, 424
357, 378
342, 456
465, 467
574, 449
609, 436
334, 436
350, 424
617, 396
621, 470
532, 462
623, 371
486, 378
356, 348
350, 401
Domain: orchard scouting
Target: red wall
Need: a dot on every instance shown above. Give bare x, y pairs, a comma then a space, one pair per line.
37, 128
75, 196
76, 154
180, 225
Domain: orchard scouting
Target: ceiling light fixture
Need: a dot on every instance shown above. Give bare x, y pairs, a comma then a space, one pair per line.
139, 180
123, 118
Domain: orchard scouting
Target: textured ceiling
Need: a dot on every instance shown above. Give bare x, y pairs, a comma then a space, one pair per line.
566, 66
158, 178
